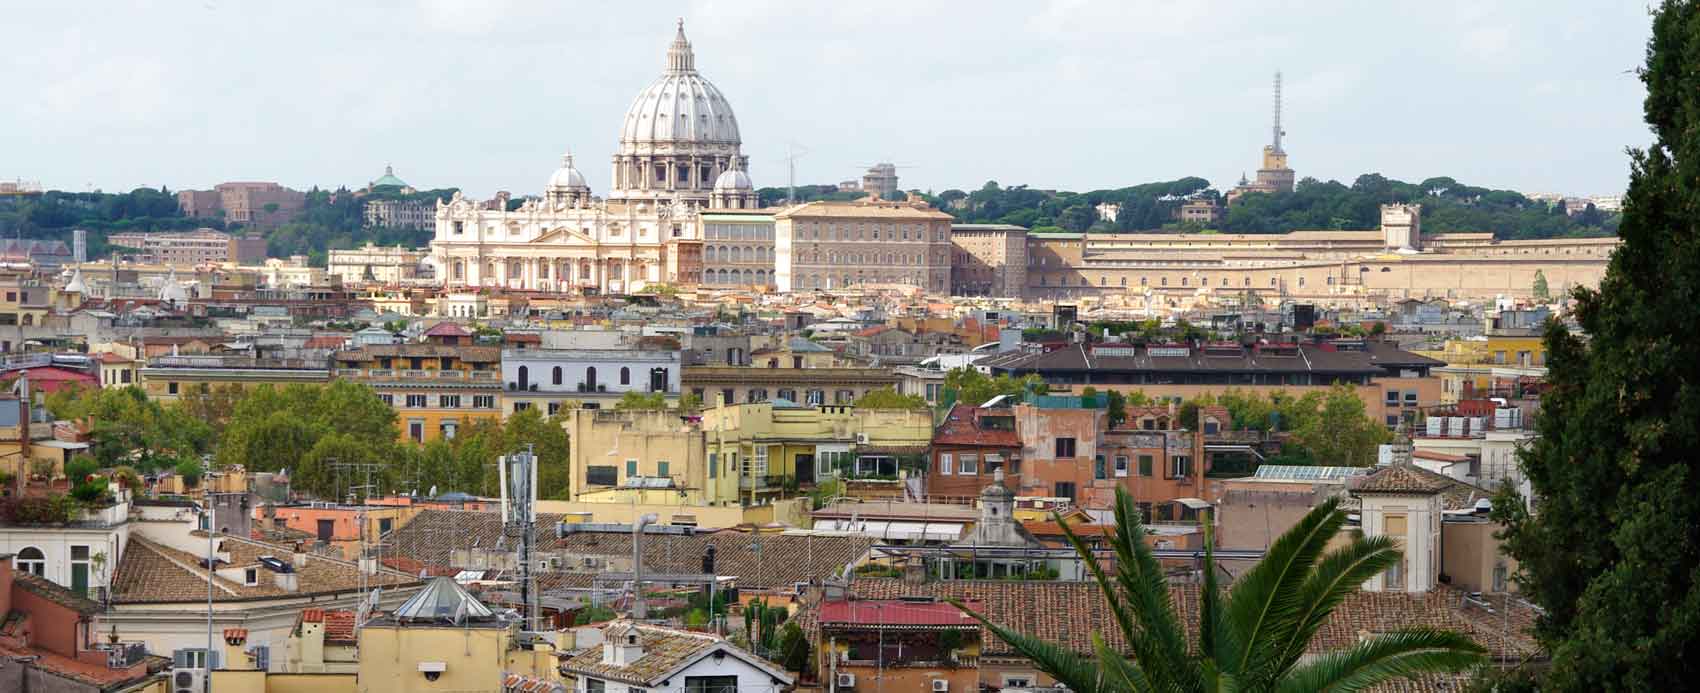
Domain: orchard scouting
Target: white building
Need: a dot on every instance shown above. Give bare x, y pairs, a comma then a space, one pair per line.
591, 378
1404, 501
662, 660
78, 555
372, 263
679, 152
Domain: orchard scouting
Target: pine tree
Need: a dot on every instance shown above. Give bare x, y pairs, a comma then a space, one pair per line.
1611, 549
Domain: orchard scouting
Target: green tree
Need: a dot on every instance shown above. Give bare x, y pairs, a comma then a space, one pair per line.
794, 649
974, 387
1611, 550
1341, 432
1251, 636
191, 472
887, 398
1116, 410
1540, 289
642, 400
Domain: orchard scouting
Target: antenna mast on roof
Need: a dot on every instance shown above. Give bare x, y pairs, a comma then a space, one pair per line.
518, 474
1278, 132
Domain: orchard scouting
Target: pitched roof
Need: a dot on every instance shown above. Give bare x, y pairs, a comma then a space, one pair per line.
443, 600
1068, 613
896, 613
1406, 479
447, 329
47, 589
152, 573
665, 651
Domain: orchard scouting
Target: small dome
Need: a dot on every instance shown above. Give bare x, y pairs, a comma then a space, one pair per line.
172, 291
567, 177
733, 179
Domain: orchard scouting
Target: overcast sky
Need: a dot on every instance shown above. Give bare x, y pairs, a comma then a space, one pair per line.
1077, 95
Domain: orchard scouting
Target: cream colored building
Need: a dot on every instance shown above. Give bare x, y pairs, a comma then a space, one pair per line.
836, 245
679, 152
988, 260
372, 263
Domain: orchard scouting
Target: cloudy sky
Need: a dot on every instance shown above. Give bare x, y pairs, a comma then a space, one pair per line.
1075, 94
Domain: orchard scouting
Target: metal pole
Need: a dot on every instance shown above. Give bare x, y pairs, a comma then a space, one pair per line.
212, 526
638, 611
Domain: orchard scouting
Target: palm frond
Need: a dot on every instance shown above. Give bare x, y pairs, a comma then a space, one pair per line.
1376, 660
1078, 672
1119, 673
1263, 603
1162, 647
1340, 573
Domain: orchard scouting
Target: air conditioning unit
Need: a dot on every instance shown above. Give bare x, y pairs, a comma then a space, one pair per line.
846, 680
187, 680
862, 438
940, 685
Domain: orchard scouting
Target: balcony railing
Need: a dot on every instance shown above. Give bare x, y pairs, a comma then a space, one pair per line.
380, 373
452, 375
486, 375
412, 373
761, 482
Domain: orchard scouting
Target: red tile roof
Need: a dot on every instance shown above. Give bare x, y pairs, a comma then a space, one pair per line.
963, 427
447, 329
896, 612
325, 341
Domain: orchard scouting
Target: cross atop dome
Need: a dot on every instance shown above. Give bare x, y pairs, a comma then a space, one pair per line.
679, 55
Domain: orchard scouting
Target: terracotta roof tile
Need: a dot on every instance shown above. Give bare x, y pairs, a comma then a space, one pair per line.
151, 573
965, 425
664, 651
47, 589
1402, 479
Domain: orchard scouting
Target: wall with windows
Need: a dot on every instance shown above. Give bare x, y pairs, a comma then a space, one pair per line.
76, 558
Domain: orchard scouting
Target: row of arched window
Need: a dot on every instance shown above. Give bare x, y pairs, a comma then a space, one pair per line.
735, 253
738, 277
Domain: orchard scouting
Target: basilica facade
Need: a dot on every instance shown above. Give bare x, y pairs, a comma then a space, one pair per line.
679, 154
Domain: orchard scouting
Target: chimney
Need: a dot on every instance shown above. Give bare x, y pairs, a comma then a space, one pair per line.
288, 582
234, 656
300, 559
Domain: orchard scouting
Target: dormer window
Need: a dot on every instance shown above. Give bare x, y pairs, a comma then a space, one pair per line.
251, 577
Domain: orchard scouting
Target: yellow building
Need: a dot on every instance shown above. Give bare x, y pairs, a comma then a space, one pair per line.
435, 387
1484, 366
740, 454
442, 639
758, 450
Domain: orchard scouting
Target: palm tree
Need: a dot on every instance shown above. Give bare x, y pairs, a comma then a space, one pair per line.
1252, 637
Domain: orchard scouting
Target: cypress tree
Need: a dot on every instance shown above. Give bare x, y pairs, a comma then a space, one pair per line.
1611, 549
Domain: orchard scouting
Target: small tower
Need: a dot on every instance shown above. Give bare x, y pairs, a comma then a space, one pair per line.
733, 190
567, 186
1402, 227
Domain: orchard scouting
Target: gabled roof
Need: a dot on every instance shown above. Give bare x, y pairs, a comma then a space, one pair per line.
1402, 479
47, 589
666, 652
447, 329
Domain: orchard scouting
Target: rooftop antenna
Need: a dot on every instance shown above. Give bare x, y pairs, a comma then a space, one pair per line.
1278, 132
517, 474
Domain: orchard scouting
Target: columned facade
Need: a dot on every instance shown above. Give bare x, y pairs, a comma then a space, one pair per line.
676, 142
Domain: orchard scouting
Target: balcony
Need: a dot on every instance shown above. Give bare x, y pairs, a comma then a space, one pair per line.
414, 374
380, 373
775, 481
486, 375
451, 375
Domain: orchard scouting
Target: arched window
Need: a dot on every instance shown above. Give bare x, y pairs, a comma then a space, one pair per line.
556, 376
524, 377
590, 379
460, 270
625, 375
31, 560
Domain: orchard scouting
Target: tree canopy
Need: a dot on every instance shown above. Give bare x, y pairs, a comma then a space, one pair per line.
1611, 547
887, 398
973, 387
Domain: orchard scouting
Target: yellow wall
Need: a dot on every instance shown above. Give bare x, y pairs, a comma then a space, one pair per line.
262, 682
390, 658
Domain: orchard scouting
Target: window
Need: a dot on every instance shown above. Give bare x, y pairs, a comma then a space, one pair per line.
554, 408
31, 560
483, 401
416, 430
625, 375
816, 397
760, 466
1411, 398
171, 388
946, 464
448, 401
1065, 447
189, 659
416, 401
555, 376
1121, 466
251, 577
447, 429
1064, 489
711, 684
661, 468
595, 685
969, 464
713, 465
1395, 577
1180, 466
387, 399
729, 395
1392, 397
1098, 471
631, 468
